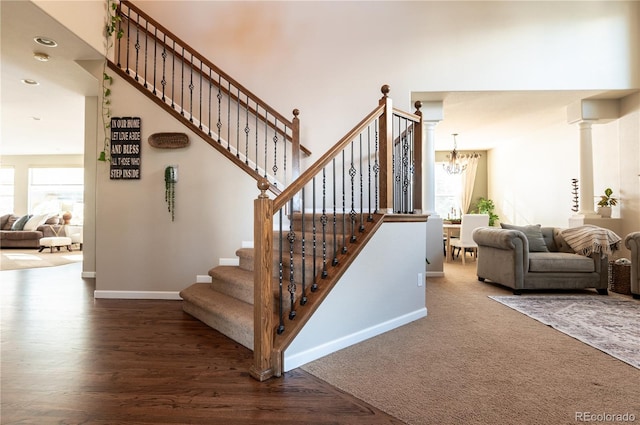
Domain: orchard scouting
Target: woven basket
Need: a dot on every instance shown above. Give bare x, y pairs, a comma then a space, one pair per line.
620, 278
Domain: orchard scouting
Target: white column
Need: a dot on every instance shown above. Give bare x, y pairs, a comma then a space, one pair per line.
586, 171
428, 163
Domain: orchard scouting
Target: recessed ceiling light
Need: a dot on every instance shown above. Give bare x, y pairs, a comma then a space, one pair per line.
29, 82
35, 118
44, 41
42, 57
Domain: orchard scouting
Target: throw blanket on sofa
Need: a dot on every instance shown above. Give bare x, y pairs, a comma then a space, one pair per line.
588, 239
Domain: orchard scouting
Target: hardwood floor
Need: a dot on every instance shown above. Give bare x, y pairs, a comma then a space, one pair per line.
70, 359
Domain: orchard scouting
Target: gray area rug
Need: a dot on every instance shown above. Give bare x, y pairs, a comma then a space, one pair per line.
610, 324
16, 259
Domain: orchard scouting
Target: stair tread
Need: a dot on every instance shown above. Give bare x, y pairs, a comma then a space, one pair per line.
204, 297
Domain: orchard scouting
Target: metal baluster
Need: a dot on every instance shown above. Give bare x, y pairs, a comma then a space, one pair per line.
173, 75
191, 87
266, 130
344, 206
323, 221
128, 38
303, 298
200, 113
137, 45
334, 262
314, 233
284, 154
163, 82
361, 190
275, 152
219, 96
210, 84
119, 39
238, 125
146, 51
229, 115
280, 294
352, 213
182, 85
292, 285
257, 143
376, 168
155, 58
247, 130
369, 216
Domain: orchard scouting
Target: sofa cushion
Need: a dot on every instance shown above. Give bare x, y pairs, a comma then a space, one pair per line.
562, 262
7, 221
35, 221
22, 235
19, 223
533, 234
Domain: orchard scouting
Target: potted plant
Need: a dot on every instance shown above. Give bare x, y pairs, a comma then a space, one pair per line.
486, 206
606, 202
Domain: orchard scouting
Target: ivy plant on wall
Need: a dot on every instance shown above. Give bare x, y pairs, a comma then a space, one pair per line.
111, 27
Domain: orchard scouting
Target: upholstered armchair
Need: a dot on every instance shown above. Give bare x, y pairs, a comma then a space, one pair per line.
632, 242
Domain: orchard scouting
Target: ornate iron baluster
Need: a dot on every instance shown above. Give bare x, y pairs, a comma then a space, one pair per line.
303, 298
163, 82
210, 86
275, 152
137, 45
314, 230
191, 87
182, 84
361, 228
229, 116
344, 206
173, 75
200, 104
369, 216
280, 276
155, 58
238, 126
128, 38
146, 51
292, 285
352, 213
334, 262
219, 122
323, 221
376, 168
247, 130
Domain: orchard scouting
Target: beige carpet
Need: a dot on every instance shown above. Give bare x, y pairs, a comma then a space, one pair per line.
15, 259
475, 361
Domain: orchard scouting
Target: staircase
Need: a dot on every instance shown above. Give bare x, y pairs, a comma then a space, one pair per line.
320, 219
227, 303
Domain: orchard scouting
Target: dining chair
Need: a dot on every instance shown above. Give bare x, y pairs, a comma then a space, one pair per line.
465, 241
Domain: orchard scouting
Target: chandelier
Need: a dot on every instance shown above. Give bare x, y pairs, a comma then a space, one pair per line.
454, 166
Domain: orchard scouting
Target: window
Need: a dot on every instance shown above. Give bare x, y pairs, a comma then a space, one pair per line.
57, 190
7, 176
448, 190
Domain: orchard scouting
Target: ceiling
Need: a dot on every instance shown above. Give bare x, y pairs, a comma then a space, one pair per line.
47, 119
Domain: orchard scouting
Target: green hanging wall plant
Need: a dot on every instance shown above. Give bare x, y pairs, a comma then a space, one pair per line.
111, 26
170, 180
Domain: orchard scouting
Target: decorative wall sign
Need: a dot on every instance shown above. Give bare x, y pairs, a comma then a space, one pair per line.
169, 140
125, 148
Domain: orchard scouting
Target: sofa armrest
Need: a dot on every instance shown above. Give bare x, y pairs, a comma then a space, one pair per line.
503, 256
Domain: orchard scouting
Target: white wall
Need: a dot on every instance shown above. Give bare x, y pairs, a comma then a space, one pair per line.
371, 298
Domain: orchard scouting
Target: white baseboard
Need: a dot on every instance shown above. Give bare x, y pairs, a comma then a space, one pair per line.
435, 274
302, 358
138, 295
88, 275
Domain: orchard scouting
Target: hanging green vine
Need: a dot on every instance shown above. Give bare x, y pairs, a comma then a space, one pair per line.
170, 180
111, 27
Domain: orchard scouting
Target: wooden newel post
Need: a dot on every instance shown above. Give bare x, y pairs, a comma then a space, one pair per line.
262, 368
417, 158
386, 152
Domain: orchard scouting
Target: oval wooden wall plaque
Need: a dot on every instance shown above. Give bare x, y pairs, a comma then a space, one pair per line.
169, 140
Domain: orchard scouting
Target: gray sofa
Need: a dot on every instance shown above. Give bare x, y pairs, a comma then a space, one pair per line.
27, 238
632, 242
504, 257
